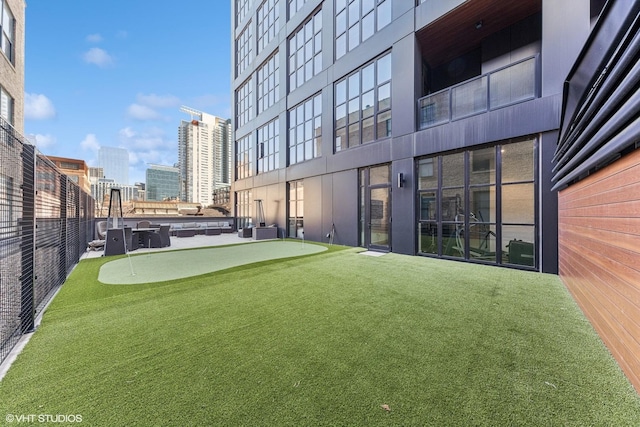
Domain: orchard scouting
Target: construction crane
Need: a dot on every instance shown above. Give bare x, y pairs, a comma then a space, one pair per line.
192, 112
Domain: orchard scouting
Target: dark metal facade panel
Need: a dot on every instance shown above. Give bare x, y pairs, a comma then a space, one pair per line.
601, 98
345, 207
403, 199
548, 205
313, 208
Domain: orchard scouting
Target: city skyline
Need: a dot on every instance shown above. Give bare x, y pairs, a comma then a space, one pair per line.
119, 80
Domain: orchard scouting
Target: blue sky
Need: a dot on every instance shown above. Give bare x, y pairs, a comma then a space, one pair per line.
115, 73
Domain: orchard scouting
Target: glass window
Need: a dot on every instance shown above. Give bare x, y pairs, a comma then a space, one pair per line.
6, 106
368, 77
268, 146
305, 51
296, 209
519, 245
295, 6
244, 49
357, 20
379, 175
384, 14
268, 83
518, 203
384, 69
428, 173
467, 211
244, 103
518, 162
368, 26
244, 209
305, 141
244, 157
483, 166
8, 31
242, 8
453, 170
268, 22
363, 106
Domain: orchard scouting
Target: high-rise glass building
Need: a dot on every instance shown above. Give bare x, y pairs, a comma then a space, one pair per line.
204, 156
115, 164
162, 183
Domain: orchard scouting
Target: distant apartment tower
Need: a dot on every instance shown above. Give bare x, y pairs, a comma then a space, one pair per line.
204, 154
75, 169
12, 67
101, 190
162, 183
114, 163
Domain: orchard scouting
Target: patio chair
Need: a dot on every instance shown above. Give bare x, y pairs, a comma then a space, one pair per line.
101, 230
132, 244
143, 224
101, 234
160, 238
165, 239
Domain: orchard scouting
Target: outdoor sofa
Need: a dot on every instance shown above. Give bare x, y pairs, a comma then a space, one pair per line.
210, 228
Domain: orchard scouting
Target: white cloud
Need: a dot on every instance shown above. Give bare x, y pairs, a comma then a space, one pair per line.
149, 145
142, 112
149, 140
94, 38
45, 142
158, 101
122, 34
126, 133
98, 56
38, 107
133, 158
90, 143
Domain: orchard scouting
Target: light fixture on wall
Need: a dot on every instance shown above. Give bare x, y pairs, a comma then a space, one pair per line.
400, 180
479, 24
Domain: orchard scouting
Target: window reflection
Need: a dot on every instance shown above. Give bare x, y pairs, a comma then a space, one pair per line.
476, 215
518, 162
305, 52
305, 131
296, 210
356, 21
363, 105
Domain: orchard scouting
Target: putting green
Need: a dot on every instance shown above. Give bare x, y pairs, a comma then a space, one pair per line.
163, 266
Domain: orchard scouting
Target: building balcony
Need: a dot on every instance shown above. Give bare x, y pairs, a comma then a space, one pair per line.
515, 83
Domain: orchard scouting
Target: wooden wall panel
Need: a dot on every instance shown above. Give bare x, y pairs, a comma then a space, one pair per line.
599, 255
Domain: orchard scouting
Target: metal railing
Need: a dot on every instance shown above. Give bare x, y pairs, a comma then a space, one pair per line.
517, 82
45, 224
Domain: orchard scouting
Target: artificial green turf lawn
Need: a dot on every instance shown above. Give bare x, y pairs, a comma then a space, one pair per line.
324, 339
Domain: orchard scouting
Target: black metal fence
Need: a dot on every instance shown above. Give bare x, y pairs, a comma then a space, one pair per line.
46, 221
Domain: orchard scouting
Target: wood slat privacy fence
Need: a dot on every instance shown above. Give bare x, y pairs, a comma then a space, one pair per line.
599, 255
